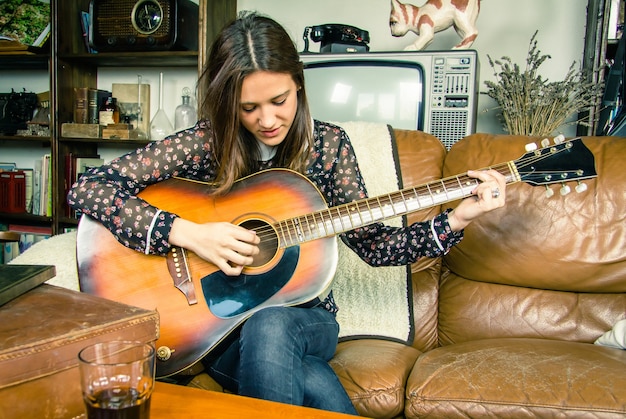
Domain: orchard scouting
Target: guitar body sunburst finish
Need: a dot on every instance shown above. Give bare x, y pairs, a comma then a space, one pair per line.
113, 271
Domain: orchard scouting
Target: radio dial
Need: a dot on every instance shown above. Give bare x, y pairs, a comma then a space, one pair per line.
147, 16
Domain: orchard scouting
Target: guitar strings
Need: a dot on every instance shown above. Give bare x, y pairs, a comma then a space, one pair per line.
300, 229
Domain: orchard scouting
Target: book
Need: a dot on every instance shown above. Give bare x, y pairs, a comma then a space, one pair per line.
84, 163
26, 241
85, 20
43, 37
49, 187
44, 184
94, 100
74, 167
16, 280
32, 229
81, 98
36, 210
28, 175
7, 167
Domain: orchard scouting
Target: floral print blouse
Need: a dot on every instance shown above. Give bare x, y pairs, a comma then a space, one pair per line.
109, 195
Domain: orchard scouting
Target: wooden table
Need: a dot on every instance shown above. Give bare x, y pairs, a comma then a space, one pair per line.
174, 401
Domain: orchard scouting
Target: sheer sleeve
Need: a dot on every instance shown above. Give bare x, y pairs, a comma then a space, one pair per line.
336, 172
109, 193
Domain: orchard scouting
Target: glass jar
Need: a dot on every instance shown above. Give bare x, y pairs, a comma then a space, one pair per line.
185, 114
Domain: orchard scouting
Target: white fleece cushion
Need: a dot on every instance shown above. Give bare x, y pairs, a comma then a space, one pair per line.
614, 338
60, 251
373, 302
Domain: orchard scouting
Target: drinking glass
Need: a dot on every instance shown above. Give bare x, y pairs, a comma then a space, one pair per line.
117, 379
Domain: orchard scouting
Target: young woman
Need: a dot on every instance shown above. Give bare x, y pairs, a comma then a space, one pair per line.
254, 117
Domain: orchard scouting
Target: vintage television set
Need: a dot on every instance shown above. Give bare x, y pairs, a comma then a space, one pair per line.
431, 91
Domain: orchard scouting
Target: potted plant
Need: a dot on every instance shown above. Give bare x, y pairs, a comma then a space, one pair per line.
532, 105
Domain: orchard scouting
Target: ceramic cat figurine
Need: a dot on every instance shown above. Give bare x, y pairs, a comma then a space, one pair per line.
435, 16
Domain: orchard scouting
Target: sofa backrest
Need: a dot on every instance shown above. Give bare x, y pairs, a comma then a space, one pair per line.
539, 267
421, 159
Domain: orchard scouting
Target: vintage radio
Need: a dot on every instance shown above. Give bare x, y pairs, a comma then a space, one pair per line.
143, 25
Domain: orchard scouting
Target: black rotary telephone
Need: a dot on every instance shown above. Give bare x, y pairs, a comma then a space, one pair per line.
335, 37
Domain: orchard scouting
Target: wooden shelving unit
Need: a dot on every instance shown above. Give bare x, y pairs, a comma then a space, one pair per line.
69, 66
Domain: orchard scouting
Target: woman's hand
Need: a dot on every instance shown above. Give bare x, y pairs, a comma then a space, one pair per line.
487, 196
227, 246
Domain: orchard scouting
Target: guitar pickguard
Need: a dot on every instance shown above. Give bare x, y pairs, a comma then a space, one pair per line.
229, 296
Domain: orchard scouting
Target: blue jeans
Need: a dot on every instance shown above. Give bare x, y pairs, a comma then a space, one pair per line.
282, 355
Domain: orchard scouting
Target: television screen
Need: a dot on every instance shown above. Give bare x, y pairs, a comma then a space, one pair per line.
365, 90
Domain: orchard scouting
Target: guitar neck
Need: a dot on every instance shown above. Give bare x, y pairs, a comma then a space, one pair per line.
342, 218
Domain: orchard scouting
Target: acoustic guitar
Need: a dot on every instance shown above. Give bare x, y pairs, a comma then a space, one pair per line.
199, 306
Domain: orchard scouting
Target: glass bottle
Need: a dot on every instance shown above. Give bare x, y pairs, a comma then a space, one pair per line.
160, 126
185, 114
109, 112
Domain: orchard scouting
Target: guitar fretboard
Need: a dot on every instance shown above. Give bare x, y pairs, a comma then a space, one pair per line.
342, 218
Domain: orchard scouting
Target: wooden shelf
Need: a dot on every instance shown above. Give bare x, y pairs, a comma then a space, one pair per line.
136, 59
104, 141
24, 138
25, 218
24, 61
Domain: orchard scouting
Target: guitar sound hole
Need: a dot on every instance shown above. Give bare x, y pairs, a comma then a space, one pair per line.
269, 241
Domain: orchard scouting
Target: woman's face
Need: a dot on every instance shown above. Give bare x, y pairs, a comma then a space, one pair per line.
268, 105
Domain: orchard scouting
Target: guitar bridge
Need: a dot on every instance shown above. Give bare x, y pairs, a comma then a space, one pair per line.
179, 271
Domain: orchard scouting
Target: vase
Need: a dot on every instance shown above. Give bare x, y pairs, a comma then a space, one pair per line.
160, 126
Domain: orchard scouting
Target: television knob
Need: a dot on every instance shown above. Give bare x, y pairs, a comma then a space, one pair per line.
111, 40
131, 40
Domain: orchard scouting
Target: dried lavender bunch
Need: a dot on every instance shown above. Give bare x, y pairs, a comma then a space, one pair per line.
532, 105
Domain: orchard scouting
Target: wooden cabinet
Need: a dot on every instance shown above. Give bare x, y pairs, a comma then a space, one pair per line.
70, 65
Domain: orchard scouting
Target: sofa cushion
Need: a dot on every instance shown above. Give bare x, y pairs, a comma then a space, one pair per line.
542, 267
568, 243
421, 161
374, 373
472, 310
518, 378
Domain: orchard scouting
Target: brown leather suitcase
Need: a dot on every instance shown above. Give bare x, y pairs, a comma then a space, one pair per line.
41, 333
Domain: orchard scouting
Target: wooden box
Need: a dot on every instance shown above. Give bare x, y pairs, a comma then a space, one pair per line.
41, 334
116, 131
70, 130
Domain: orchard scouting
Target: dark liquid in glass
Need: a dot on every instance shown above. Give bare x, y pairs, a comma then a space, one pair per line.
118, 404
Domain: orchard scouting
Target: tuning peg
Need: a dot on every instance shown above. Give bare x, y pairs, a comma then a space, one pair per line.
559, 139
565, 189
581, 187
545, 142
549, 192
531, 147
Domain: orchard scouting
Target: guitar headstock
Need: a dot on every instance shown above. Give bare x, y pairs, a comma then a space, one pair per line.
561, 162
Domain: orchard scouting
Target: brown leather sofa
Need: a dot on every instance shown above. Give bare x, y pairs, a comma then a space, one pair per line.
505, 323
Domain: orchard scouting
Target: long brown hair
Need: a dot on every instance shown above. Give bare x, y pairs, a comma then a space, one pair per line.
250, 43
